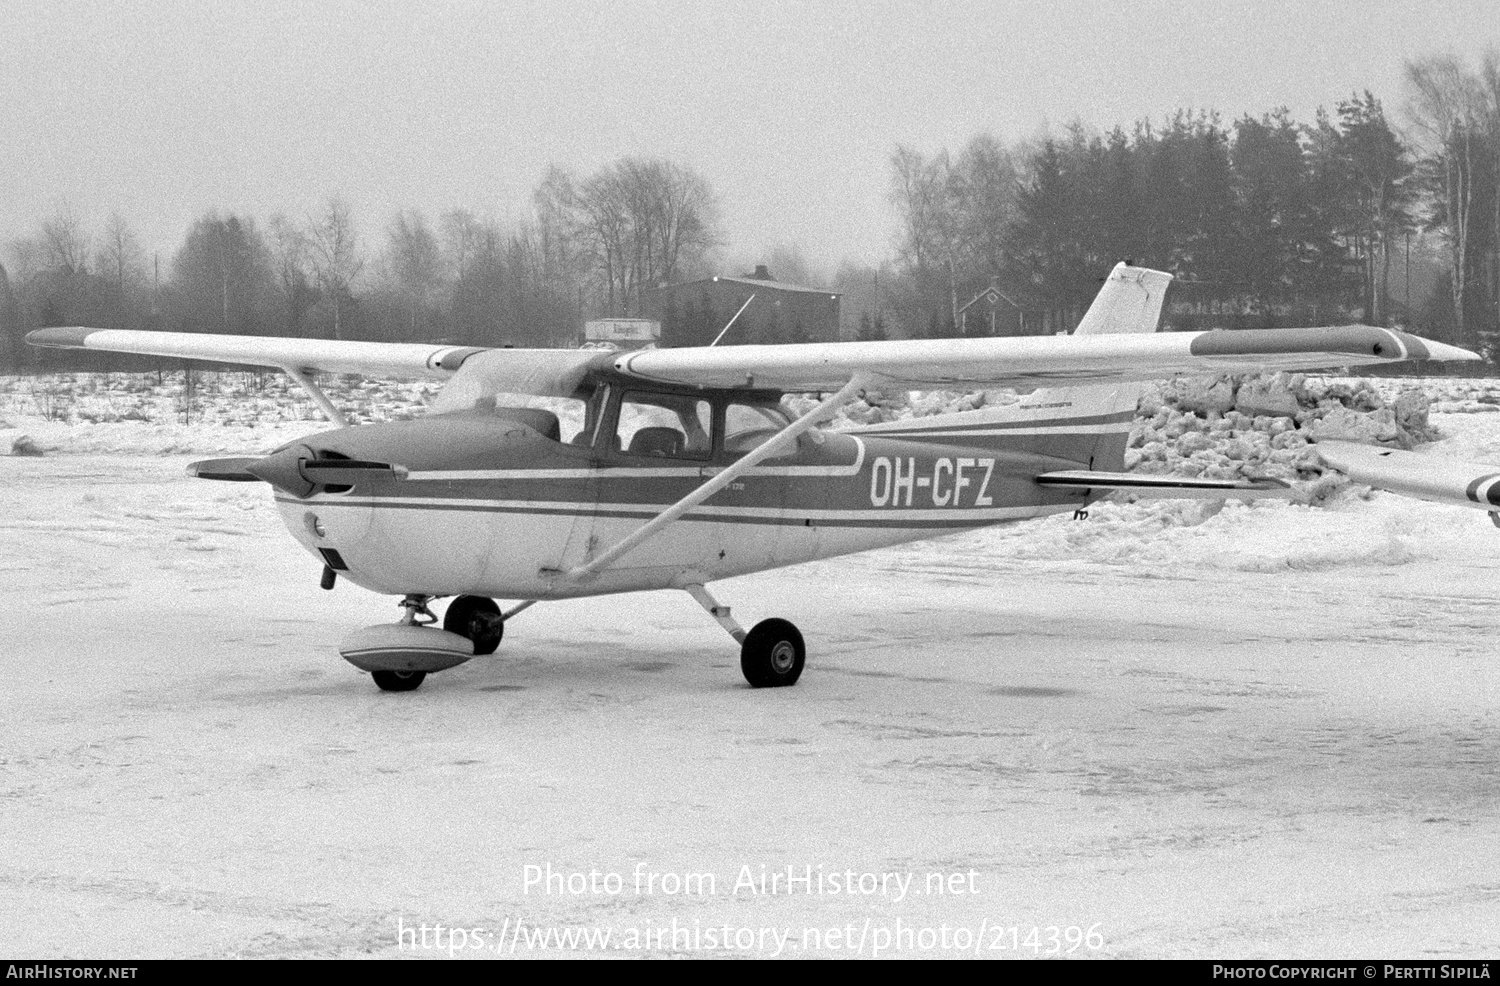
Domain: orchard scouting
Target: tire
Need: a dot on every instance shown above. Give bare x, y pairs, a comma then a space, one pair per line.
773, 654
478, 619
398, 681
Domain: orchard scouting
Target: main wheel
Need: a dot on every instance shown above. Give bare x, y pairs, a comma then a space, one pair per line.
477, 618
772, 654
398, 681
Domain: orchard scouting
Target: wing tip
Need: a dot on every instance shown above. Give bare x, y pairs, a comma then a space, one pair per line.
63, 337
1427, 349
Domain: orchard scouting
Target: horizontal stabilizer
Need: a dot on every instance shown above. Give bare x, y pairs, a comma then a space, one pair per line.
229, 470
1189, 487
1424, 477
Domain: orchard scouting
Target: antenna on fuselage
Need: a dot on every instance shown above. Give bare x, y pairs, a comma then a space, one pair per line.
731, 321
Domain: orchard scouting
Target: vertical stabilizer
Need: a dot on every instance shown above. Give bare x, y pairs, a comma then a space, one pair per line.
1087, 424
1130, 301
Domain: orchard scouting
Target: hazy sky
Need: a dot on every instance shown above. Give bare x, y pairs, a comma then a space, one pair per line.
163, 110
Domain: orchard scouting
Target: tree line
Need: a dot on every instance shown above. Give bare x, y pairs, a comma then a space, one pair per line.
1264, 220
1388, 217
592, 247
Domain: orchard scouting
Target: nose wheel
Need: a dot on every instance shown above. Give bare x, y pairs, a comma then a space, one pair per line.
401, 655
398, 681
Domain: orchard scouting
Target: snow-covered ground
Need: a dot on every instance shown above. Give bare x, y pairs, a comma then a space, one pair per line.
1264, 730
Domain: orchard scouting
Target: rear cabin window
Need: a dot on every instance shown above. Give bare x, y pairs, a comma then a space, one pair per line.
664, 426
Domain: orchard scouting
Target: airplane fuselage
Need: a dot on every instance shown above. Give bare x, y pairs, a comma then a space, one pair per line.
492, 506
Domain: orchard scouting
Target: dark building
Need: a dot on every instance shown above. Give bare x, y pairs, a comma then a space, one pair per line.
693, 313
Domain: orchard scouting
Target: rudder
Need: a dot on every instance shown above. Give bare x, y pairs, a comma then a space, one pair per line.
1131, 301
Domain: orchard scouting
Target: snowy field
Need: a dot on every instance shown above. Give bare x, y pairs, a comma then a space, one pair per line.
1168, 730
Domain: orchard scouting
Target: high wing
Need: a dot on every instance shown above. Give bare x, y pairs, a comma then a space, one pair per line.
548, 372
400, 360
1116, 342
1034, 360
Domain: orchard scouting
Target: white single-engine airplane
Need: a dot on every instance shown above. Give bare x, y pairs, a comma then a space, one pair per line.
549, 474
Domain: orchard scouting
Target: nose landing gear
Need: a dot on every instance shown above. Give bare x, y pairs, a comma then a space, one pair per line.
400, 656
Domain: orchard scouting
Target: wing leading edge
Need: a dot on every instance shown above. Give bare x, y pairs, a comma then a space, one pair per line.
1034, 360
394, 359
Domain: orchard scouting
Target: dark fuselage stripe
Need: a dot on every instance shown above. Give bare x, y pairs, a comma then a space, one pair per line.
871, 519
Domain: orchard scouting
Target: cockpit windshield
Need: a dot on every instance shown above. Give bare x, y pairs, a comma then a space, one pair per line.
558, 418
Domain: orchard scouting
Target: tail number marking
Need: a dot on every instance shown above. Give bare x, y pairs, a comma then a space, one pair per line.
951, 482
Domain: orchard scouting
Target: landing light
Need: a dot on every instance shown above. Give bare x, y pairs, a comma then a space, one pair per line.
314, 525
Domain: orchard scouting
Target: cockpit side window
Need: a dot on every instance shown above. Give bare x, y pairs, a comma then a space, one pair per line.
671, 426
746, 426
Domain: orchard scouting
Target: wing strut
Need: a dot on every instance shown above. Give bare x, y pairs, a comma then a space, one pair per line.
762, 451
321, 399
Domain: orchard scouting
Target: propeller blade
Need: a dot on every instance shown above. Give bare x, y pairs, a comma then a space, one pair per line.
296, 469
228, 470
347, 472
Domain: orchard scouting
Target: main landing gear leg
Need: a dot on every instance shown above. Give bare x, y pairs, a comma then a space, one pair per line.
771, 654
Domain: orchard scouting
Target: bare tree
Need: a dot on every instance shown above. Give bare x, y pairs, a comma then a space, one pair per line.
984, 184
1447, 109
926, 194
631, 225
119, 258
289, 249
1490, 79
65, 246
463, 238
413, 264
335, 255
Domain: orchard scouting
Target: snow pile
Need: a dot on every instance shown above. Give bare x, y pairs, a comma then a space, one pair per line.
219, 412
1238, 427
877, 407
1215, 427
1461, 395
